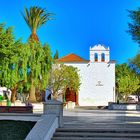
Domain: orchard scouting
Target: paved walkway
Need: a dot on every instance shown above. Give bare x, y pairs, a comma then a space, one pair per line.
102, 119
84, 117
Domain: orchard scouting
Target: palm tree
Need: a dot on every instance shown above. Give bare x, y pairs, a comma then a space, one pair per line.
35, 17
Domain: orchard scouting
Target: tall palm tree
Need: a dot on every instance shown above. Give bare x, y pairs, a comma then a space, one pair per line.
35, 17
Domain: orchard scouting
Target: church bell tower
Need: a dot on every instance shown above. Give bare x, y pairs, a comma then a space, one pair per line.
99, 53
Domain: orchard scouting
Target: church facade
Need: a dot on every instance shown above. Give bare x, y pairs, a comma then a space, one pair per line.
97, 77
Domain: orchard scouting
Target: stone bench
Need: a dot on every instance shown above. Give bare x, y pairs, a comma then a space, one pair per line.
16, 109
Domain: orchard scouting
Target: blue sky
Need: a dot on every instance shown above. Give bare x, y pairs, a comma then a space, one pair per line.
78, 25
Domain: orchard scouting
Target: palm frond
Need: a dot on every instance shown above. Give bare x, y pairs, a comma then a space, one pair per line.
35, 17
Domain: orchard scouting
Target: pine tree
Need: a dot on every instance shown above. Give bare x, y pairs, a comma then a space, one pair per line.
56, 56
134, 26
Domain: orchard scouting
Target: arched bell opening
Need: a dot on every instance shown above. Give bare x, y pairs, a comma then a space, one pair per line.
103, 57
96, 57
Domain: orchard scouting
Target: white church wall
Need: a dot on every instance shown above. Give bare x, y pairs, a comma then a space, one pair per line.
97, 83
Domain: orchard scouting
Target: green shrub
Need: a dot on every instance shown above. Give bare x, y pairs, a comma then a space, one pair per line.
1, 97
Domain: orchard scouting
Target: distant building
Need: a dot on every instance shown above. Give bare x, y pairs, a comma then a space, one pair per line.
97, 77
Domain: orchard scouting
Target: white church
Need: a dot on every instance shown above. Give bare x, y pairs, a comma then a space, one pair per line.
97, 77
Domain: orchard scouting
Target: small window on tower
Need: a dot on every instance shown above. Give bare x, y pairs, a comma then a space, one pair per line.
102, 57
96, 57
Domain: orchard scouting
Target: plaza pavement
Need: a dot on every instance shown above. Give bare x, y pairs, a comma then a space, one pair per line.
83, 117
101, 118
82, 122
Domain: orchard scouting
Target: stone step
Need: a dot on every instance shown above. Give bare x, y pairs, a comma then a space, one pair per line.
96, 138
103, 126
114, 126
100, 130
87, 134
97, 134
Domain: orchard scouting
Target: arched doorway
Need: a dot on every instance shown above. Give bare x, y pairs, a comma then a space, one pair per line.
71, 95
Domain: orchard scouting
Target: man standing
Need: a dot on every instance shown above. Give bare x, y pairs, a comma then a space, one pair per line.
48, 95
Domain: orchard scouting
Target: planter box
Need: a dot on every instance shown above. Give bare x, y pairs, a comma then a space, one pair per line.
17, 103
124, 106
16, 109
70, 105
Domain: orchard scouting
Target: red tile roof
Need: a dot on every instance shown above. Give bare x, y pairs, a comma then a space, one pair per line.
72, 58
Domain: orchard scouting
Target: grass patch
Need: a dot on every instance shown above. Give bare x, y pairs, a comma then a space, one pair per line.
15, 130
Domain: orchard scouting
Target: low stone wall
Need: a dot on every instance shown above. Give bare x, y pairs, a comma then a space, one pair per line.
51, 119
52, 107
16, 109
123, 106
44, 128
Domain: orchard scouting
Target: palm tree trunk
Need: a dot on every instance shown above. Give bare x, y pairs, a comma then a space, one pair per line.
32, 97
34, 36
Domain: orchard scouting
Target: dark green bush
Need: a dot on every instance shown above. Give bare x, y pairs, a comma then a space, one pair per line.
1, 98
